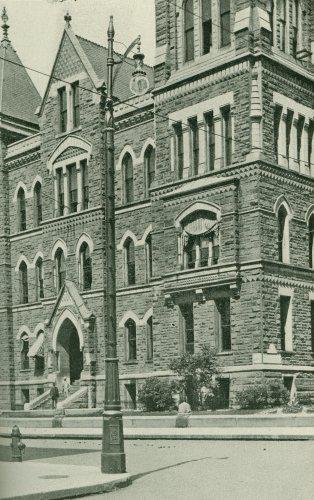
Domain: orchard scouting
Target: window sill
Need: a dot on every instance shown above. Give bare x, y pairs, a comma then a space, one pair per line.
68, 132
131, 362
25, 370
225, 353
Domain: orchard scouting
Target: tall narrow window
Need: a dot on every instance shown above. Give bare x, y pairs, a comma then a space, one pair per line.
149, 257
277, 118
72, 187
86, 274
76, 104
23, 283
60, 269
289, 119
227, 135
295, 26
21, 206
189, 30
285, 323
149, 340
310, 144
270, 11
130, 262
24, 352
281, 9
127, 165
194, 145
210, 141
187, 321
39, 279
179, 149
312, 325
191, 252
223, 323
85, 184
60, 187
130, 327
283, 235
38, 208
225, 23
207, 25
149, 162
63, 109
311, 241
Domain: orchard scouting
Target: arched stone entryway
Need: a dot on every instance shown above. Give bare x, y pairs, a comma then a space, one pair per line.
69, 353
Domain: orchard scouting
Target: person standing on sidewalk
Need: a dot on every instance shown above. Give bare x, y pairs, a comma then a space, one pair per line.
54, 394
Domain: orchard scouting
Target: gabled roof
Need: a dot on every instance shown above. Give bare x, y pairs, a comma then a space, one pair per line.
94, 59
70, 297
18, 95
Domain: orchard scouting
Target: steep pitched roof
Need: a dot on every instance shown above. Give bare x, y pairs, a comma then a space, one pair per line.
94, 60
97, 55
18, 95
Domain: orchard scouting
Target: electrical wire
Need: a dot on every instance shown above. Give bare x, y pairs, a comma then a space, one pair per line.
235, 140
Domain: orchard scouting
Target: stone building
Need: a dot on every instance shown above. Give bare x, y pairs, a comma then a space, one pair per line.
214, 206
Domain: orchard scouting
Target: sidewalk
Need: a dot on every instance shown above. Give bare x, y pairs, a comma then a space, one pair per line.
210, 433
35, 481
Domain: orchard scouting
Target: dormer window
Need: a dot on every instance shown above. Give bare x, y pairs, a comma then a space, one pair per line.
63, 109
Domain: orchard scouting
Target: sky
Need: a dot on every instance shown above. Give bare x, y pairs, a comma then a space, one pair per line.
36, 27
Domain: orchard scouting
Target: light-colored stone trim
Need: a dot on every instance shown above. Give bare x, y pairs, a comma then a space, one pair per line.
24, 145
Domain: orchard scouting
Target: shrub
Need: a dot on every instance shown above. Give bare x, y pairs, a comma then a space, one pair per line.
195, 371
262, 395
156, 394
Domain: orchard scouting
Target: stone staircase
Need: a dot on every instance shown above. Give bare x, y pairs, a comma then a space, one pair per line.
78, 397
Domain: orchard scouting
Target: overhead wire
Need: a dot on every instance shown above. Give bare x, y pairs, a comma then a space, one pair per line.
233, 139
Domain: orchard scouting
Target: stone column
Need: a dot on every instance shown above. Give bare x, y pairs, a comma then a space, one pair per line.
202, 144
66, 191
79, 186
282, 155
293, 153
218, 141
304, 155
56, 196
186, 151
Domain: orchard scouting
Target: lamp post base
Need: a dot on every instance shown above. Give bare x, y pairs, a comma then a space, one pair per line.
112, 455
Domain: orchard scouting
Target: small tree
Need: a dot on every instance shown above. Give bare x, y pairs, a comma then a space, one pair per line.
196, 371
156, 394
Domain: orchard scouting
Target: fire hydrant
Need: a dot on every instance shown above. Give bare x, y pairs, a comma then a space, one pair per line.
17, 447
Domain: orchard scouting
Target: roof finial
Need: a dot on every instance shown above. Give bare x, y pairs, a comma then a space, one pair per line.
5, 26
68, 19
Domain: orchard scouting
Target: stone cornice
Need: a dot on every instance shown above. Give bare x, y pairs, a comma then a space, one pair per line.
23, 160
134, 117
21, 147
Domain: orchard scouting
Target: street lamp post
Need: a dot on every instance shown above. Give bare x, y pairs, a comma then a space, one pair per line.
113, 456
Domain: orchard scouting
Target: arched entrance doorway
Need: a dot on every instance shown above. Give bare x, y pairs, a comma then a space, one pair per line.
70, 357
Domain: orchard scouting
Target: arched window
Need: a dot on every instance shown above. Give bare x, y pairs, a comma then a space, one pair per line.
200, 240
39, 279
207, 25
149, 340
23, 283
189, 29
311, 241
24, 352
59, 269
130, 261
283, 235
21, 207
39, 354
38, 209
127, 165
149, 160
149, 257
86, 275
131, 353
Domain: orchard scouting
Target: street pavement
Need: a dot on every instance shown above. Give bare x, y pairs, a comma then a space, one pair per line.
200, 470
